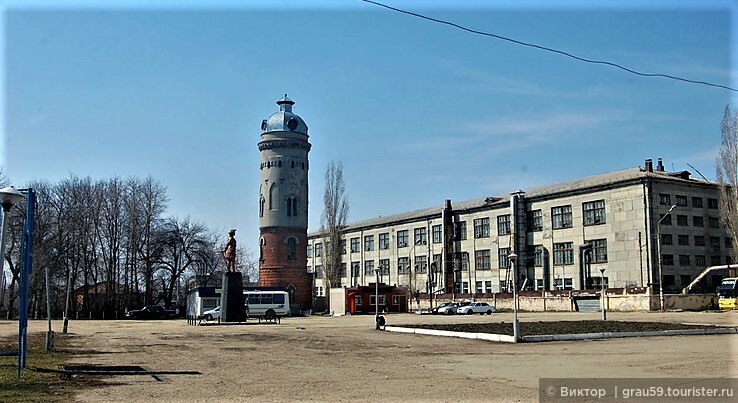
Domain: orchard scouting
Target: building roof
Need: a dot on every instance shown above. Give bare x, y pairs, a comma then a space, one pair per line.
284, 119
613, 178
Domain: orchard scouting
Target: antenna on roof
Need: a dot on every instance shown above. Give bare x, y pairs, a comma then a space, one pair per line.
695, 169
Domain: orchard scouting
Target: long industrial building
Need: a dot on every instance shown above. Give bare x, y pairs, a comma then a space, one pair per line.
571, 235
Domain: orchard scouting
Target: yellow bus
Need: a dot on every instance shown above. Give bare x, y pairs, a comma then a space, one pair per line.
727, 293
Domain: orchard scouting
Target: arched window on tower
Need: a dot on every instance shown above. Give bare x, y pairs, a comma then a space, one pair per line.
262, 242
291, 248
261, 206
272, 196
292, 206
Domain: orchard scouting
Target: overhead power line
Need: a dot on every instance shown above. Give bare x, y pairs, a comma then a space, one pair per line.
560, 52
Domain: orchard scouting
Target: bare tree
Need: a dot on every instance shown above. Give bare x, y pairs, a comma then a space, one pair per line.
727, 174
333, 221
183, 243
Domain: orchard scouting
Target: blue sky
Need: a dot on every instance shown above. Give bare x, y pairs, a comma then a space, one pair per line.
417, 112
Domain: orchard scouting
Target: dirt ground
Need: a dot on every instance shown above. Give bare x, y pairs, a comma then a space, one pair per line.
345, 359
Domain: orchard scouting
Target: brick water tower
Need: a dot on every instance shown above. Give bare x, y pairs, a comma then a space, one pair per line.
283, 204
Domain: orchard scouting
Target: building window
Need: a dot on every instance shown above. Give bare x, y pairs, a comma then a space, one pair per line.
699, 240
599, 250
318, 271
538, 256
374, 298
319, 292
318, 249
464, 260
368, 267
566, 283
342, 272
561, 217
715, 260
713, 222
685, 279
421, 264
666, 239
698, 221
712, 203
384, 241
479, 288
594, 212
396, 299
481, 227
681, 200
436, 265
369, 243
403, 265
355, 245
464, 287
534, 256
437, 234
384, 267
503, 258
534, 221
665, 219
420, 236
728, 243
355, 269
682, 220
667, 260
402, 238
503, 224
488, 286
482, 260
715, 243
291, 206
291, 248
563, 253
310, 251
460, 231
696, 202
684, 260
664, 199
699, 260
261, 206
683, 240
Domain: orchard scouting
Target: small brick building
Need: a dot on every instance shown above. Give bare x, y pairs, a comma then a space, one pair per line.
360, 299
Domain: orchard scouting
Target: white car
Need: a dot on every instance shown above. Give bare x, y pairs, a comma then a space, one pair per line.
212, 314
448, 309
476, 307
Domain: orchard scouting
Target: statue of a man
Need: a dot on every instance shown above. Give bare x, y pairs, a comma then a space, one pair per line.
229, 253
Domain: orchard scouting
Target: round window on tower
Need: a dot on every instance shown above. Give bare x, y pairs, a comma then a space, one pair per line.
292, 123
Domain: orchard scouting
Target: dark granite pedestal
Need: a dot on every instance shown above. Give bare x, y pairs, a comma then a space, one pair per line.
231, 298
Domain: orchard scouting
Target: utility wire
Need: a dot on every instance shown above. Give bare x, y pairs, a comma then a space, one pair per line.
561, 52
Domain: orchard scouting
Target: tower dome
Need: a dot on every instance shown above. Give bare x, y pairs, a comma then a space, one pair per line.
284, 119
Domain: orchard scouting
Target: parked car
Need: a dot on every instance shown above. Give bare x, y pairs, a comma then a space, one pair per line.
212, 314
434, 310
476, 307
451, 308
151, 312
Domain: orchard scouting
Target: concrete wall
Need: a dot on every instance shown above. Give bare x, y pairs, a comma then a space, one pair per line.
566, 303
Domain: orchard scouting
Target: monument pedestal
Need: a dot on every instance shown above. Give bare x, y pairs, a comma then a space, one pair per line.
231, 298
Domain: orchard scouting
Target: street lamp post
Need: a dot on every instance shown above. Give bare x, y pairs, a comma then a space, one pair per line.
513, 259
376, 297
658, 250
604, 304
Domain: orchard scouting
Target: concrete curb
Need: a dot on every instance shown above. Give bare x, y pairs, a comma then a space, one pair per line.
560, 337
